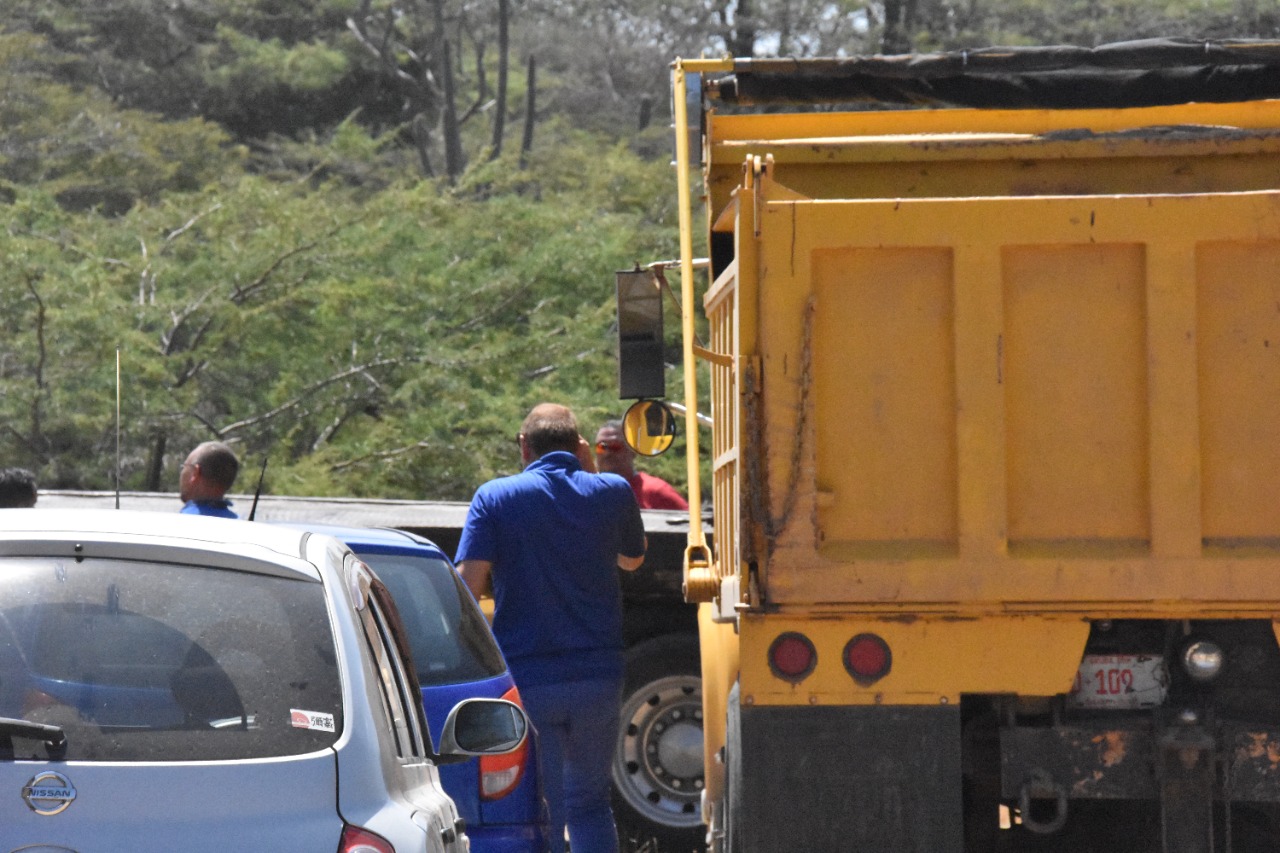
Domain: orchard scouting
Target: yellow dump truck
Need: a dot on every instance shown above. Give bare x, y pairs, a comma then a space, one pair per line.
993, 344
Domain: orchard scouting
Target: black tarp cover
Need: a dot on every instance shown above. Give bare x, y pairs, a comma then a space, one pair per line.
1152, 72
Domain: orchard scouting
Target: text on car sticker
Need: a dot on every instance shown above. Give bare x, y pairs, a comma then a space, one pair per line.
311, 720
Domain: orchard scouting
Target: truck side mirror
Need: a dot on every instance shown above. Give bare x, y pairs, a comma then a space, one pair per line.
649, 427
641, 370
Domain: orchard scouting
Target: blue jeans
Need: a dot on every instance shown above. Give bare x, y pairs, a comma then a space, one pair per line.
577, 728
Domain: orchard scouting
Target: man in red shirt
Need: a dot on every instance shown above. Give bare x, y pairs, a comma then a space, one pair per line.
614, 456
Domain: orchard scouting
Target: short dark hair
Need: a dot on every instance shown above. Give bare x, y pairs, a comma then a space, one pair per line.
218, 463
17, 488
549, 427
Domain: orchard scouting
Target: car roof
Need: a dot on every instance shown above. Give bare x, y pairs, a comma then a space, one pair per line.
367, 537
353, 513
169, 536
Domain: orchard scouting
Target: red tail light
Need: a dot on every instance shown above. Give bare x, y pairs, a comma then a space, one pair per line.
36, 700
792, 656
357, 840
867, 658
33, 699
500, 774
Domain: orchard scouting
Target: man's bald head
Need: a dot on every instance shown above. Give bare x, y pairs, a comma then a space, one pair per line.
548, 427
218, 462
208, 472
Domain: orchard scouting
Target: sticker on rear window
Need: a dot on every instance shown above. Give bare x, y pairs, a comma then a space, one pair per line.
311, 720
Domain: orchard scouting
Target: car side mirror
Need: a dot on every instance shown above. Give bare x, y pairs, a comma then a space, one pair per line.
483, 727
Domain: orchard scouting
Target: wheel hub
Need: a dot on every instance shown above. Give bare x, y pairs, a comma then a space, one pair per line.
658, 761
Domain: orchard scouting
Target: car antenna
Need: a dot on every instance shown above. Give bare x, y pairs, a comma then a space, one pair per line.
117, 427
257, 493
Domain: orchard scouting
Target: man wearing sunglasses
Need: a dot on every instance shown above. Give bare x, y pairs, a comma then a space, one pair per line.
615, 457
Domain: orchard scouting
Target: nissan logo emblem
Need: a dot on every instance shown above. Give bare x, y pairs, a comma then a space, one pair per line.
49, 793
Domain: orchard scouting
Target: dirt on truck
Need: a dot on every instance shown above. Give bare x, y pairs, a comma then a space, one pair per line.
994, 361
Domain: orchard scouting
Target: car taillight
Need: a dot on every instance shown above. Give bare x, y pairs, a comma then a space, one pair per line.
357, 840
867, 658
792, 656
500, 774
35, 700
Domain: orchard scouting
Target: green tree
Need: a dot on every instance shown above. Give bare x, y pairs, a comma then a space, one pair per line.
76, 143
370, 343
231, 193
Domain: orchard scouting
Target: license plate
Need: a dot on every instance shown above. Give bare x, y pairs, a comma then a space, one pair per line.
1119, 682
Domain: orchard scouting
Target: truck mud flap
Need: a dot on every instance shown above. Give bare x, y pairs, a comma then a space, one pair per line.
875, 779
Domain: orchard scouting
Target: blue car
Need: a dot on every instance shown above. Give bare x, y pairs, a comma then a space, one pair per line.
499, 796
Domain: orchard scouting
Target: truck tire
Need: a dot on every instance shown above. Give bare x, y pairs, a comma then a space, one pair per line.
658, 773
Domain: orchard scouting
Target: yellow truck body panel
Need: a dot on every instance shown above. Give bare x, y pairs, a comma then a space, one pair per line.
984, 383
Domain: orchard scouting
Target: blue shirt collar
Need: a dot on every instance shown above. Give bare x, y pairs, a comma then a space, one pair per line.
216, 503
555, 459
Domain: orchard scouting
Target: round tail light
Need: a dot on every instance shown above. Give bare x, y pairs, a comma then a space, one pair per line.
867, 658
792, 657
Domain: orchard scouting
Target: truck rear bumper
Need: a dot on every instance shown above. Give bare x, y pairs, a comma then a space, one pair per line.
1102, 761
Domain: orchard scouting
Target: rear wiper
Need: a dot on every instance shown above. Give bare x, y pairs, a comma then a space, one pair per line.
53, 736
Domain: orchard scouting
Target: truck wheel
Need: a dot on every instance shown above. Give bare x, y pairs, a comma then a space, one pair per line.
657, 765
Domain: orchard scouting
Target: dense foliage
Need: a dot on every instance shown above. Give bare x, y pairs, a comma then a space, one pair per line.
371, 343
361, 237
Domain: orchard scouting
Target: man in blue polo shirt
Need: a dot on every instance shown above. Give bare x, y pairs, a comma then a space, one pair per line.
550, 539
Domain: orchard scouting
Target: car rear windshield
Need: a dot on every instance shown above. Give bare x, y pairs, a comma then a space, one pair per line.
142, 661
450, 639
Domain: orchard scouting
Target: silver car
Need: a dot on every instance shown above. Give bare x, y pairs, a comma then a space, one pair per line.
200, 684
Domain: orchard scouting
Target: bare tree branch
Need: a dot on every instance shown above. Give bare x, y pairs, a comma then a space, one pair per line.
240, 295
145, 275
178, 232
453, 156
500, 113
483, 319
306, 393
37, 412
26, 442
379, 456
213, 430
189, 373
379, 52
422, 142
530, 111
472, 110
386, 51
178, 320
326, 435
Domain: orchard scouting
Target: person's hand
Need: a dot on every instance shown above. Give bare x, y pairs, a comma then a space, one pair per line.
585, 457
